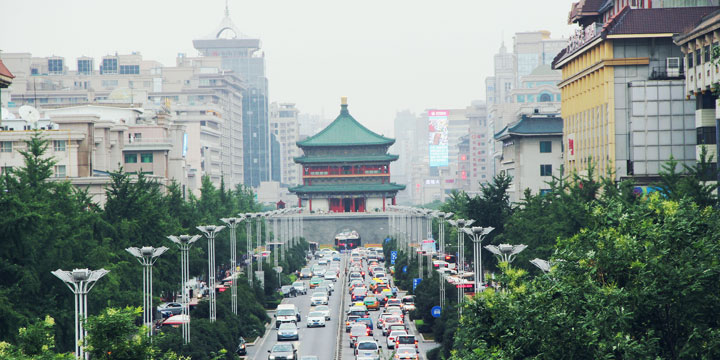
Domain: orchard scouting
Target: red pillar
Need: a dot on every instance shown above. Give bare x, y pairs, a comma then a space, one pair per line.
352, 209
310, 203
393, 201
299, 202
383, 202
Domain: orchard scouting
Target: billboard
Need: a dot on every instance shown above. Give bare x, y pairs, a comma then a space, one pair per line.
438, 137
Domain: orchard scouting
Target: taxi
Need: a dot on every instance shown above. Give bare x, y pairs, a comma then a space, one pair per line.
371, 303
315, 282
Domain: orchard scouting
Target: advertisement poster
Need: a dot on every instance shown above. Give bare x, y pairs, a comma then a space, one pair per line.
438, 137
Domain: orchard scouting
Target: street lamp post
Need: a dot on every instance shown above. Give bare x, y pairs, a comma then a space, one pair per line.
477, 234
506, 252
80, 282
232, 223
210, 231
147, 255
248, 243
541, 264
258, 238
185, 242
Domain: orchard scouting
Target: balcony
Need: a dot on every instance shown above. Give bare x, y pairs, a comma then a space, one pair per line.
663, 73
147, 144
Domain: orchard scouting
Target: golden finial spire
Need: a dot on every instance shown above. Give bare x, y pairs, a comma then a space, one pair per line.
343, 100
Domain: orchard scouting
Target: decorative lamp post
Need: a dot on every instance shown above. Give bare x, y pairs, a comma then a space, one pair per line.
147, 255
185, 242
477, 235
210, 231
248, 243
80, 282
541, 264
506, 252
232, 223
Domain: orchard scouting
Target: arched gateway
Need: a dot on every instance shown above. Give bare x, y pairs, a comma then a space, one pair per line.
346, 169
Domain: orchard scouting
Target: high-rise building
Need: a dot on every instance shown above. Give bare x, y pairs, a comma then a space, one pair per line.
284, 128
624, 103
242, 54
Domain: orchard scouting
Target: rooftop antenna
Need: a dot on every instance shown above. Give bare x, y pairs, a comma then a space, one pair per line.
227, 10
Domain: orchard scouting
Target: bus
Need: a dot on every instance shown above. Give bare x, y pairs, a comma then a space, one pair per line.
347, 240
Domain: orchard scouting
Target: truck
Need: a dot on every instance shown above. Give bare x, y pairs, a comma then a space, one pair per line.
286, 313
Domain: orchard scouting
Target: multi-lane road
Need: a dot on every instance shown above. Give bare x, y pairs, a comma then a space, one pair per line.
319, 341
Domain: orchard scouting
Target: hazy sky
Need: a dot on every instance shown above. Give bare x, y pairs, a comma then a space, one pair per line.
385, 55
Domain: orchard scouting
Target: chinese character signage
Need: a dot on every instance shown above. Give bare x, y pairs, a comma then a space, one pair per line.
438, 137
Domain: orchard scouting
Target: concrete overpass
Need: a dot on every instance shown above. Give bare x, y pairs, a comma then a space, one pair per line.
373, 227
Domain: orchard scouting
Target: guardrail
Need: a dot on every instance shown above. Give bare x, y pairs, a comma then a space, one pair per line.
338, 340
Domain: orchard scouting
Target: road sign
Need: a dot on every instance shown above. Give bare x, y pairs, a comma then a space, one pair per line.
393, 256
416, 282
405, 268
436, 311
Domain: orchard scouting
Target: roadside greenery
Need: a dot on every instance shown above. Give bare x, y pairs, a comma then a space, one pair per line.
634, 274
47, 225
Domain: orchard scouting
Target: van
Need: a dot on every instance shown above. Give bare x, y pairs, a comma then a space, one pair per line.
286, 313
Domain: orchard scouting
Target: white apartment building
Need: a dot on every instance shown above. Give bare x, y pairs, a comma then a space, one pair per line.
285, 128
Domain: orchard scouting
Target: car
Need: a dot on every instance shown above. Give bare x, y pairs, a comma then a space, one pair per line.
315, 318
367, 348
336, 257
323, 309
371, 303
359, 311
393, 327
393, 302
305, 273
330, 275
315, 282
389, 321
288, 331
319, 298
350, 321
406, 340
323, 289
367, 321
323, 261
300, 287
358, 330
391, 337
242, 347
355, 276
359, 294
283, 352
408, 303
170, 308
406, 353
288, 291
328, 284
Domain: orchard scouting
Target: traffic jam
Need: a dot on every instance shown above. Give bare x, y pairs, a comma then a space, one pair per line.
342, 306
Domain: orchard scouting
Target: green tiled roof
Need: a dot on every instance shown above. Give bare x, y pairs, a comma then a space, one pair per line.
344, 159
346, 188
533, 125
344, 131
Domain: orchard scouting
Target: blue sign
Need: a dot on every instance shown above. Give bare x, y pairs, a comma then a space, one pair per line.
436, 311
416, 282
393, 256
405, 268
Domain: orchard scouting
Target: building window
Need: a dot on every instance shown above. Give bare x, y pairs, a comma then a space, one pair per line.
146, 158
84, 67
545, 98
129, 69
5, 146
706, 49
546, 146
109, 66
546, 170
55, 66
109, 83
60, 171
130, 158
706, 135
59, 145
698, 57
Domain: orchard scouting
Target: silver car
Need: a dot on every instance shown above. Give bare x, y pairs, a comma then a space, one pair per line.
288, 331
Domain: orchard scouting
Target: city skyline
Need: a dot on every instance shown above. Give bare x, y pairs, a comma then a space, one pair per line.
295, 40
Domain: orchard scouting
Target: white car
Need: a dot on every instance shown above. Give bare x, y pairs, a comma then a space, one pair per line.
315, 318
287, 331
324, 309
367, 348
319, 298
329, 284
391, 337
330, 275
405, 352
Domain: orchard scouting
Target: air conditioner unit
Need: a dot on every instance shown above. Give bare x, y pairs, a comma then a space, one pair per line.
672, 66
